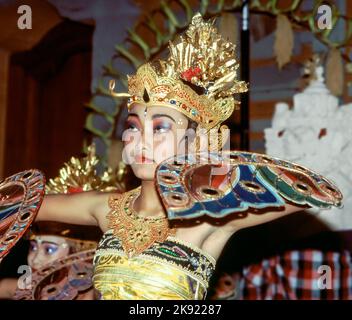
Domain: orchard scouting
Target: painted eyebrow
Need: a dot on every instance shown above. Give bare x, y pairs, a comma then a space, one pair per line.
158, 115
163, 115
51, 243
132, 115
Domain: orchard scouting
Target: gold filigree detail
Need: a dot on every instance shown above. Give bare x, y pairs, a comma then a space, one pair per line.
79, 174
198, 79
204, 58
136, 233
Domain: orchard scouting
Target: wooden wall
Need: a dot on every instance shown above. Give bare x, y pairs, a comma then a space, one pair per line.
47, 89
12, 40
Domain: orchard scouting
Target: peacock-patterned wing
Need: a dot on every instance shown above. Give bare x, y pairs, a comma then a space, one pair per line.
218, 184
20, 198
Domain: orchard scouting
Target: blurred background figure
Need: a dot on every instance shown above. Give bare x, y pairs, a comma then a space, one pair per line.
49, 242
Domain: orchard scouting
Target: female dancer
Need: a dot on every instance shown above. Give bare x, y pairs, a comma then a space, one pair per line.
141, 255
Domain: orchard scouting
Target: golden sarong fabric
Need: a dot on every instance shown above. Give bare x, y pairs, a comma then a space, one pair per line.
172, 269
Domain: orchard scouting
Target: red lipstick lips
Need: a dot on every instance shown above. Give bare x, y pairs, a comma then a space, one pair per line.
142, 159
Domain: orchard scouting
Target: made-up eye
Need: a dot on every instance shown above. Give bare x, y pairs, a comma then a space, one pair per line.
50, 249
132, 124
33, 246
131, 127
162, 128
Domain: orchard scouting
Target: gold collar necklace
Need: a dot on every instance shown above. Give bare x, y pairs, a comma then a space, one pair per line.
136, 233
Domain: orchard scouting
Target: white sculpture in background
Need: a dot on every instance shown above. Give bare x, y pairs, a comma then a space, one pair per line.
317, 133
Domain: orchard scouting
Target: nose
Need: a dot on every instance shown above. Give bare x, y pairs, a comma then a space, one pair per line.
146, 141
37, 260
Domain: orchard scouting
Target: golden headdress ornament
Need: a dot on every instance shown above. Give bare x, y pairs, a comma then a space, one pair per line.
79, 174
198, 78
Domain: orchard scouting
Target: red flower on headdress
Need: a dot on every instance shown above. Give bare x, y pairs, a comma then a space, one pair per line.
75, 189
190, 73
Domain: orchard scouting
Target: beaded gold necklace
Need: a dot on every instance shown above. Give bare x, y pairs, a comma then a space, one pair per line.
136, 233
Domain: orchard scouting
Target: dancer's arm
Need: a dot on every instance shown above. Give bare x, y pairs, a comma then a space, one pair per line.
253, 219
75, 208
8, 288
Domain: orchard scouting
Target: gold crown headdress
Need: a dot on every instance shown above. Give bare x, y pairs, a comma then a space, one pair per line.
198, 79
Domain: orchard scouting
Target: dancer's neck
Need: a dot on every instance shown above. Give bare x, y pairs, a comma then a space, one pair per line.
148, 202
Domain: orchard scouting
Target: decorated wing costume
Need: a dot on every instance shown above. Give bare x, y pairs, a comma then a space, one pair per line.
140, 258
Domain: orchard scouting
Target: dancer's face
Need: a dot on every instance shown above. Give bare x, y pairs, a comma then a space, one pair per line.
46, 249
152, 135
